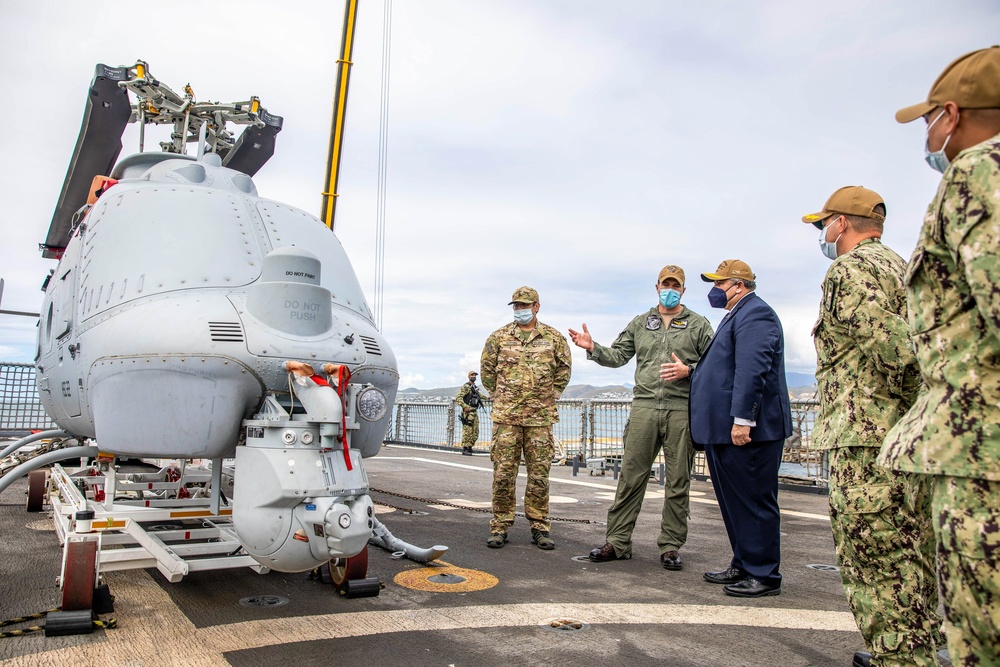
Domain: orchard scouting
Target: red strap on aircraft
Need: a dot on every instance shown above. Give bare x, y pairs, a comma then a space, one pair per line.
320, 380
341, 376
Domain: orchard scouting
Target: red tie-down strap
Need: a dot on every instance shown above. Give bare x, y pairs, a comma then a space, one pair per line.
341, 375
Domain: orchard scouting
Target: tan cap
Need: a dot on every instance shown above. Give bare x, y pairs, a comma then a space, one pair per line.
849, 200
671, 271
730, 268
472, 374
971, 82
524, 295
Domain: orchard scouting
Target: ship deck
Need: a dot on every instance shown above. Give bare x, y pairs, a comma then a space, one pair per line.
491, 607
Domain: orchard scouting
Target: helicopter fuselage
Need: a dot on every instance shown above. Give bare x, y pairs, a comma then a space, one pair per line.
177, 301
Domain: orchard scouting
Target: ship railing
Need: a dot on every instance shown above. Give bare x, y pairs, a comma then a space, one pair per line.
590, 431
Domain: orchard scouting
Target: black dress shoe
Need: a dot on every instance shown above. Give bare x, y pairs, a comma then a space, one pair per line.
861, 659
607, 553
751, 588
728, 576
671, 560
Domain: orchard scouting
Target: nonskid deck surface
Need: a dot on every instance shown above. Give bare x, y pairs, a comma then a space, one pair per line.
477, 606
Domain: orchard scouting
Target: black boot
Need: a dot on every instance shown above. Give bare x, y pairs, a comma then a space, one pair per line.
466, 451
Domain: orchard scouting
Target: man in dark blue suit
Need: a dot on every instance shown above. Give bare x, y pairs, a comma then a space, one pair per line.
740, 414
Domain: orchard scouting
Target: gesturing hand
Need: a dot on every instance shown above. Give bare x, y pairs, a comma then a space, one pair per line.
582, 339
675, 371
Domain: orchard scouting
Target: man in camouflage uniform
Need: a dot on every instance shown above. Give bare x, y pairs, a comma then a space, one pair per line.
868, 378
952, 432
667, 341
469, 401
526, 366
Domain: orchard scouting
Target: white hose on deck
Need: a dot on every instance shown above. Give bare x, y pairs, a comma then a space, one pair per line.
381, 537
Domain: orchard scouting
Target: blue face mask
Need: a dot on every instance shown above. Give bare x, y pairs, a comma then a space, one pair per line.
828, 249
937, 160
717, 297
523, 316
669, 298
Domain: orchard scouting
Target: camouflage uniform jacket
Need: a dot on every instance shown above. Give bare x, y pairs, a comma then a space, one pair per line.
953, 293
525, 372
465, 390
652, 344
867, 373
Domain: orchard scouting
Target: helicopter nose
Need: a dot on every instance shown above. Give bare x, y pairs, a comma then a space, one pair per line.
288, 297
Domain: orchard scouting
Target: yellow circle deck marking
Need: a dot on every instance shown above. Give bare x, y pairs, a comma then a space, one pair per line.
419, 579
383, 509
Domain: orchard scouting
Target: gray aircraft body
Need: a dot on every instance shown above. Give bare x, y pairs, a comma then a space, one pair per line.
179, 299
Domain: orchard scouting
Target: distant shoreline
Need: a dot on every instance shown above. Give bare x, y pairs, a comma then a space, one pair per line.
586, 391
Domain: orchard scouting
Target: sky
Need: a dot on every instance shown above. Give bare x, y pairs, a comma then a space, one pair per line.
574, 146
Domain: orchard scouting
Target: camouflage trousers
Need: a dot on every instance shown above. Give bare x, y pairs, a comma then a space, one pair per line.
509, 443
882, 528
470, 432
967, 527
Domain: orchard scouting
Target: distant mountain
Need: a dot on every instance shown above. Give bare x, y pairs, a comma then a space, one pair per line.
441, 392
578, 391
581, 391
800, 379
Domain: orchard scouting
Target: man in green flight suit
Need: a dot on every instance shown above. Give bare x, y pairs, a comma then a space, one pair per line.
469, 402
868, 378
667, 341
526, 366
952, 433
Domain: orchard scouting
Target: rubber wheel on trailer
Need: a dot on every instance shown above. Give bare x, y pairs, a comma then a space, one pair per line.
36, 490
79, 575
343, 569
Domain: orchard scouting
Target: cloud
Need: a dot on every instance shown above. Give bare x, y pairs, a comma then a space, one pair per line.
555, 144
410, 380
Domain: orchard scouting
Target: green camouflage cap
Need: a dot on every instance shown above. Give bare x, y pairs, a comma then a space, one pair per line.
524, 295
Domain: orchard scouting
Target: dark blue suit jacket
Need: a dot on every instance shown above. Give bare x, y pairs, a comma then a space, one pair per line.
742, 374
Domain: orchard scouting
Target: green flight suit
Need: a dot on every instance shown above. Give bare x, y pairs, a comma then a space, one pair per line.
658, 419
